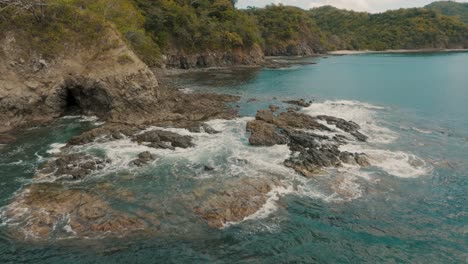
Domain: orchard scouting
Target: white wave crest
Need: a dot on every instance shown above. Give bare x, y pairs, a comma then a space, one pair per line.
363, 114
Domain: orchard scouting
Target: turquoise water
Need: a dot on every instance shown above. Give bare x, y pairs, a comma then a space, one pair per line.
410, 207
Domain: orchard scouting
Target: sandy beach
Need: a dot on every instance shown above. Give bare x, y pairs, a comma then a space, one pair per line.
356, 52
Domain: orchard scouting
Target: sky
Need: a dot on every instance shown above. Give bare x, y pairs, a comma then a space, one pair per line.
357, 5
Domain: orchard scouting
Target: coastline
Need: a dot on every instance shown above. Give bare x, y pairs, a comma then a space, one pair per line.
358, 52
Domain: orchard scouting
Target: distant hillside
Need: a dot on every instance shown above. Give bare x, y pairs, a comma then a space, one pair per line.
287, 30
415, 28
451, 8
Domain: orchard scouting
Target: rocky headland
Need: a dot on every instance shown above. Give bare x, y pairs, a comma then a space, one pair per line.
108, 80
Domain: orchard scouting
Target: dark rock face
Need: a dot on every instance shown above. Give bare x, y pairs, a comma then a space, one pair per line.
181, 60
300, 102
347, 126
199, 128
143, 159
107, 132
311, 151
75, 165
159, 139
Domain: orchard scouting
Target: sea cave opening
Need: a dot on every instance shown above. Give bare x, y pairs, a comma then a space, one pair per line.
71, 103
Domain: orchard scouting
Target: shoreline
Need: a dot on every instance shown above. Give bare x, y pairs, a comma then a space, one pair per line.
359, 52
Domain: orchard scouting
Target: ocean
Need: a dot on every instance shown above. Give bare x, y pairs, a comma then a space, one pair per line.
409, 206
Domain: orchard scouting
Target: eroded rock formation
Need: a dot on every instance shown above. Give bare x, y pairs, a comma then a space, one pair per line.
311, 151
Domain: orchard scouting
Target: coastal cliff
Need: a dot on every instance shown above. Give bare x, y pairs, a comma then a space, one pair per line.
105, 79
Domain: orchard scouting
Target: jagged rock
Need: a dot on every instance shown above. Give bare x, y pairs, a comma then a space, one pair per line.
143, 159
300, 102
347, 157
298, 120
273, 108
208, 168
150, 136
311, 151
362, 160
75, 165
264, 134
359, 136
347, 126
199, 128
109, 132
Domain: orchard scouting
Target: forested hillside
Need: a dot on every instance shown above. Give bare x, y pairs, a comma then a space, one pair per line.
216, 27
287, 30
450, 8
415, 28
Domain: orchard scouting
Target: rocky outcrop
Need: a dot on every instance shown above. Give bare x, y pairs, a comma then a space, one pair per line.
182, 60
48, 210
300, 102
311, 151
90, 81
74, 166
233, 201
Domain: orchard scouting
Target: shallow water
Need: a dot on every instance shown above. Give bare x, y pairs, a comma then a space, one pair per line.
409, 207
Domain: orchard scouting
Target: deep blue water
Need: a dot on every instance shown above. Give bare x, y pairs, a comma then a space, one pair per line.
411, 207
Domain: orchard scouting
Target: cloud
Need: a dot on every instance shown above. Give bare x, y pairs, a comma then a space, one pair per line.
358, 5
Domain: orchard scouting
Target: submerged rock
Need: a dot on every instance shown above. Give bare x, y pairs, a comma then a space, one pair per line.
48, 210
233, 201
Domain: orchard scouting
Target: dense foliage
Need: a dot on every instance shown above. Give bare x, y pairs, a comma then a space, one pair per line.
56, 24
414, 28
199, 25
152, 27
450, 8
285, 26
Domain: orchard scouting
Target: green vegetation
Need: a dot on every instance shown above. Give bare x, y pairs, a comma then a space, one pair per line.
199, 25
58, 26
450, 8
414, 28
284, 26
152, 27
50, 29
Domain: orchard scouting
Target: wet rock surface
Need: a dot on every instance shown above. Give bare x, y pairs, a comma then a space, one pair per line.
143, 159
74, 166
312, 152
49, 210
161, 139
234, 201
300, 102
